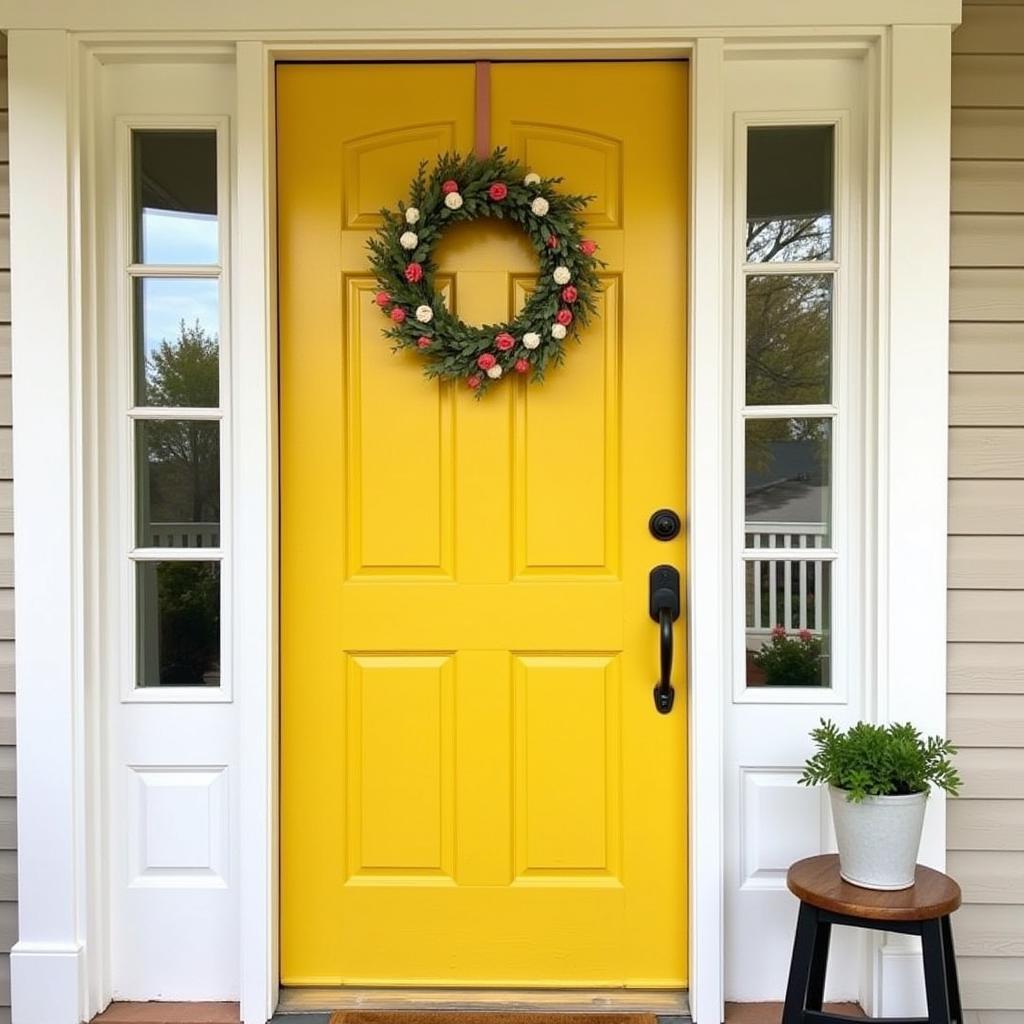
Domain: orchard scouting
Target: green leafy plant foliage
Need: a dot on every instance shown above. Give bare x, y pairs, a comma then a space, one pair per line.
451, 348
880, 760
791, 660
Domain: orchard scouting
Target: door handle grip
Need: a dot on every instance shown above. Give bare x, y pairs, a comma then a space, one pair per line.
664, 609
664, 694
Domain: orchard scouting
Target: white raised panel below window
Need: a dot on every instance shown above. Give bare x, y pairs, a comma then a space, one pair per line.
179, 834
780, 820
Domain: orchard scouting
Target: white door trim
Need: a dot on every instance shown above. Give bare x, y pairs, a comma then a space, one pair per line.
58, 965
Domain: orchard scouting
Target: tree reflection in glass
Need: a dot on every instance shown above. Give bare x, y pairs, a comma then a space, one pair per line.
789, 339
179, 460
178, 623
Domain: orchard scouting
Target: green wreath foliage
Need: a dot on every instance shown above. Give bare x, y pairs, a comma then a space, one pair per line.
492, 186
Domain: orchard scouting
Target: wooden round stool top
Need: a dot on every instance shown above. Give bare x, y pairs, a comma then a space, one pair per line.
816, 881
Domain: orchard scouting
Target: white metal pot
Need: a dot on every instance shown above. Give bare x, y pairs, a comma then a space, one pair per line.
878, 838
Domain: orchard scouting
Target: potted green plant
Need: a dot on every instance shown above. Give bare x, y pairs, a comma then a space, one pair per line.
879, 777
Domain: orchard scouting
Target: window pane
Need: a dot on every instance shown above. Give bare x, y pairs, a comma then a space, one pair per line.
789, 193
789, 339
178, 623
176, 342
788, 483
178, 483
789, 622
175, 191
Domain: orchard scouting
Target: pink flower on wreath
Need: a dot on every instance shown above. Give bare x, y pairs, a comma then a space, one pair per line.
552, 241
398, 315
588, 247
414, 273
569, 293
473, 382
423, 342
522, 365
779, 632
382, 299
806, 635
564, 317
504, 341
498, 191
449, 186
486, 361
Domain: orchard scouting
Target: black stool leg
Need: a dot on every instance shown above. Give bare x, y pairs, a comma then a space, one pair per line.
801, 966
952, 979
819, 966
935, 988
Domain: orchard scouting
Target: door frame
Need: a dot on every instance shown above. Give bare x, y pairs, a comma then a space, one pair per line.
57, 51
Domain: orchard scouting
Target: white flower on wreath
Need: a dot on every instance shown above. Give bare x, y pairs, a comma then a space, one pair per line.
533, 178
412, 215
558, 331
540, 206
409, 240
562, 275
531, 340
453, 201
424, 314
495, 371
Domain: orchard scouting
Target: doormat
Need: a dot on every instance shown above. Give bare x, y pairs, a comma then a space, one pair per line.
488, 1017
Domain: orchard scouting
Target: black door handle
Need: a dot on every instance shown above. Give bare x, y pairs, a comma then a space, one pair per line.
664, 609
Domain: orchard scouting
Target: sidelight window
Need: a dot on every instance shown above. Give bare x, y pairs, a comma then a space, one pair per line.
788, 404
175, 299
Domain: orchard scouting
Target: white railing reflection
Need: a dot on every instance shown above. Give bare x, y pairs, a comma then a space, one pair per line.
184, 535
799, 602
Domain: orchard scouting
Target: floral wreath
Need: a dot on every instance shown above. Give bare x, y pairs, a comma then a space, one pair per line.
465, 188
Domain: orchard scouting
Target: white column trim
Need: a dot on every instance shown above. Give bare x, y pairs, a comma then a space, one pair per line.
254, 401
47, 971
709, 668
913, 412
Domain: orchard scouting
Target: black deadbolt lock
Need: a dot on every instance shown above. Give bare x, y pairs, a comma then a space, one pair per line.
664, 524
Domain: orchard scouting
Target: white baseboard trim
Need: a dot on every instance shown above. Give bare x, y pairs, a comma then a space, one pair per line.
47, 983
898, 989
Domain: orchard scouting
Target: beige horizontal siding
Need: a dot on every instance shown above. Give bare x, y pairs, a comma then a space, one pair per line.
986, 720
975, 506
985, 709
973, 348
979, 240
994, 773
8, 818
975, 563
986, 668
988, 931
993, 982
983, 134
989, 876
990, 29
988, 81
983, 825
975, 400
986, 240
981, 616
977, 186
975, 453
978, 294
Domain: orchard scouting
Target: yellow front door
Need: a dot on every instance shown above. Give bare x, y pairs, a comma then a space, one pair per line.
476, 787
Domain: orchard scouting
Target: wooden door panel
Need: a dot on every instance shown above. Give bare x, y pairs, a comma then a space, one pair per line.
476, 788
